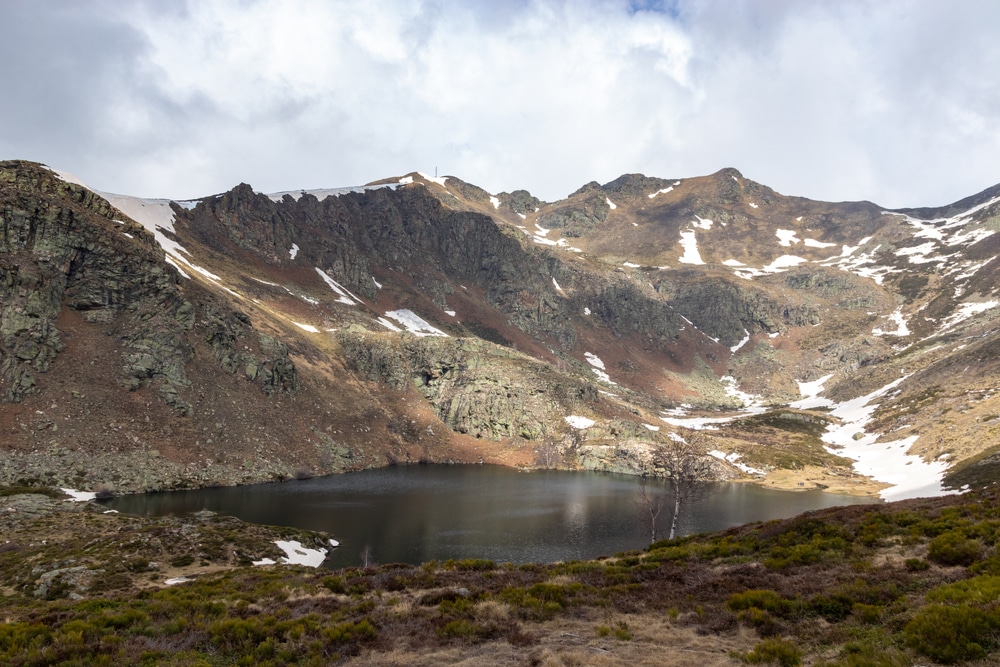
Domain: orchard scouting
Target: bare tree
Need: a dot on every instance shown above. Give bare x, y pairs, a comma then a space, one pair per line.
547, 454
651, 501
688, 469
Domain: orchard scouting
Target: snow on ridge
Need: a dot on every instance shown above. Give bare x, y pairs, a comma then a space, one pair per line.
322, 193
157, 216
414, 323
68, 177
433, 179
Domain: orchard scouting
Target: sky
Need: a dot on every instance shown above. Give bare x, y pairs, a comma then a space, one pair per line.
892, 101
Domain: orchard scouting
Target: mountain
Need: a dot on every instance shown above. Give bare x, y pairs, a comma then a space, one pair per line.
241, 337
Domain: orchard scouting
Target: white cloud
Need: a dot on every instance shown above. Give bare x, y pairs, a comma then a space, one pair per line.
888, 101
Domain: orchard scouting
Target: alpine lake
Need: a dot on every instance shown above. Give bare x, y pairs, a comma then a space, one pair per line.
414, 514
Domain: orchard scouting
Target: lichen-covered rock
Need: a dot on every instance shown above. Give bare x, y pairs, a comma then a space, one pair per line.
475, 387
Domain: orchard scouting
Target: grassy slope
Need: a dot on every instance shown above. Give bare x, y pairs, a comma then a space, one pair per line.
898, 584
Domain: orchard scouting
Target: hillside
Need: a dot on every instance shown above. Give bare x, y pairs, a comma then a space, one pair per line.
150, 344
890, 585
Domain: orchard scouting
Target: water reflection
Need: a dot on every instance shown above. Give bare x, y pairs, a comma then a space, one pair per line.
420, 513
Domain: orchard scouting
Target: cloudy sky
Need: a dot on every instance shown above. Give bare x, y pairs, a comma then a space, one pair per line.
895, 101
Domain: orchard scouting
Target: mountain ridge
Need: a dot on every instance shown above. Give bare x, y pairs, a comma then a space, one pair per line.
642, 298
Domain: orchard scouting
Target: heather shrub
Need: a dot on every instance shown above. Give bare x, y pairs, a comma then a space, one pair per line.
760, 599
834, 608
774, 651
954, 548
980, 590
951, 634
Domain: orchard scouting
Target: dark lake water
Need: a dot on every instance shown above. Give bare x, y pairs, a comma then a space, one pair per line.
413, 514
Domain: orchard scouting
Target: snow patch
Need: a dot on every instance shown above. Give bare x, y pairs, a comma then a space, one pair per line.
494, 201
344, 295
965, 311
901, 328
177, 580
732, 459
786, 237
388, 325
577, 421
746, 339
293, 251
662, 192
888, 462
813, 243
782, 263
690, 245
306, 327
598, 367
651, 427
632, 265
414, 323
811, 391
296, 554
79, 496
611, 204
556, 285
